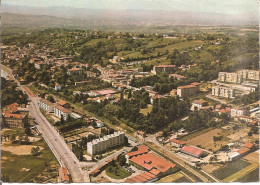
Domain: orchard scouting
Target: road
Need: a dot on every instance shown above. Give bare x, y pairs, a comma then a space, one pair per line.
56, 143
176, 158
216, 99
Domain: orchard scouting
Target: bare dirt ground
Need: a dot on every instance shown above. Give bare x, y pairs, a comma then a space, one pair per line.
239, 135
253, 157
19, 150
206, 140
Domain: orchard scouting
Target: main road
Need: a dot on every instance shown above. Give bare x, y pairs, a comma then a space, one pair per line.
56, 143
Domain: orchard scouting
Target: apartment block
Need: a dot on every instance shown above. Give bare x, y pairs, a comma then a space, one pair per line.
223, 91
249, 74
100, 145
46, 105
230, 77
237, 112
188, 90
60, 111
14, 120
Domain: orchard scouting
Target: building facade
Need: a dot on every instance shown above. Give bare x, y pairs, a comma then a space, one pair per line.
98, 146
229, 77
226, 92
188, 90
15, 120
60, 111
163, 69
249, 74
46, 105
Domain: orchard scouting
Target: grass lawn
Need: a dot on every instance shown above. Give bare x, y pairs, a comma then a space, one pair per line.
16, 166
170, 178
120, 174
230, 168
146, 110
250, 177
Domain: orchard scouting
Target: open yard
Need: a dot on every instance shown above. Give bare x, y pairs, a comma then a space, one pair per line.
146, 110
206, 141
230, 168
25, 168
252, 157
19, 150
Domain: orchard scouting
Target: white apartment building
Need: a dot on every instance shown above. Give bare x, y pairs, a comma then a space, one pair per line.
60, 111
223, 91
229, 77
46, 105
100, 145
249, 74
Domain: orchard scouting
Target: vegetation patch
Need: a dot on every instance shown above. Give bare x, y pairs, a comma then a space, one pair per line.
230, 168
250, 177
117, 172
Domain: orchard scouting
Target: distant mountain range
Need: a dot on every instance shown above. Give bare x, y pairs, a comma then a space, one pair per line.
82, 18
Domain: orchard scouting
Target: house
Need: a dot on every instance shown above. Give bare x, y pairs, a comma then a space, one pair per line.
46, 105
119, 87
192, 151
163, 69
63, 175
233, 156
57, 87
176, 76
199, 104
248, 145
177, 143
100, 123
75, 72
60, 111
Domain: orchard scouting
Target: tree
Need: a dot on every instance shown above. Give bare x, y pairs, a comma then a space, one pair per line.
26, 140
129, 94
28, 131
35, 151
13, 138
121, 160
51, 99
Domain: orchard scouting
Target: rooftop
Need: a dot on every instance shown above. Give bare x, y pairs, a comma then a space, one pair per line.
62, 109
178, 141
192, 150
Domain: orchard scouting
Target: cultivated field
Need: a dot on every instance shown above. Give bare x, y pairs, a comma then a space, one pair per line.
171, 178
19, 150
253, 157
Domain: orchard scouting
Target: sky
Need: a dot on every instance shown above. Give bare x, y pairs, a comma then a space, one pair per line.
229, 7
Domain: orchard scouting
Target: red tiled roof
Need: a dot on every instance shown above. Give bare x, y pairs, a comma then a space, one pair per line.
165, 66
249, 145
17, 116
74, 69
46, 102
62, 109
62, 102
178, 141
141, 149
155, 172
199, 101
12, 105
149, 161
63, 174
218, 106
242, 151
192, 150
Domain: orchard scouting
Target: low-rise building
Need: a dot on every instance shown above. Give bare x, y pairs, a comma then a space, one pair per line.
14, 120
75, 72
163, 69
57, 87
177, 143
199, 104
237, 112
46, 105
100, 145
192, 151
176, 76
60, 111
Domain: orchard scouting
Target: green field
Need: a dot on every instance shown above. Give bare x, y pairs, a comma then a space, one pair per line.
251, 177
182, 179
230, 168
195, 134
119, 173
15, 166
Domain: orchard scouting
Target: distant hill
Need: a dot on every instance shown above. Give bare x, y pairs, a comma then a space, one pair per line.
112, 20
